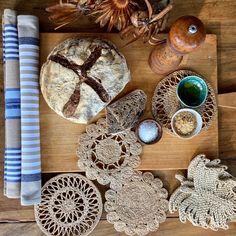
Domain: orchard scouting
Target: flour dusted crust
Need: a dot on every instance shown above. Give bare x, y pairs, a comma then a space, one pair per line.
58, 82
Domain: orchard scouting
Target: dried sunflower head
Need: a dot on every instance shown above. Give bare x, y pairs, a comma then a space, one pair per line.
115, 13
69, 11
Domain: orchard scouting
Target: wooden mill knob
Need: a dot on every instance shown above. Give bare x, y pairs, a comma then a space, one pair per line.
186, 34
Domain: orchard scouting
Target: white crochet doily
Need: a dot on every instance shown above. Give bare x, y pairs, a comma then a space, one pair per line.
207, 197
108, 158
138, 206
71, 205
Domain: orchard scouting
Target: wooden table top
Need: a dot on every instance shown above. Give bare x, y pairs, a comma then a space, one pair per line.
59, 138
219, 18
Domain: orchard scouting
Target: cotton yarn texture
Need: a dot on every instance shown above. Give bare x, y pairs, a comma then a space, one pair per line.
12, 162
207, 197
71, 205
22, 172
28, 33
138, 206
108, 158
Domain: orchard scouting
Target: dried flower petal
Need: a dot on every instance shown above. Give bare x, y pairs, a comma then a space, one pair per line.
145, 24
115, 13
70, 11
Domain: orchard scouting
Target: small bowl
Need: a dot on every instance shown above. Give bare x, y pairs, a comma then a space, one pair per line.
192, 91
197, 129
148, 131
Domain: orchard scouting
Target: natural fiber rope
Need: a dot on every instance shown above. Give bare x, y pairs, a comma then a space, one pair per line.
71, 205
108, 158
165, 102
137, 206
207, 197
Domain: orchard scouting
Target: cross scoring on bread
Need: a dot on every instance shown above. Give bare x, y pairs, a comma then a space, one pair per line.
81, 70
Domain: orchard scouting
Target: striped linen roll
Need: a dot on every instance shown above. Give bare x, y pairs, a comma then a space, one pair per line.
28, 33
12, 162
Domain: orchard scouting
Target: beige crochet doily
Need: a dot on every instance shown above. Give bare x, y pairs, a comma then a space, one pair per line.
138, 206
207, 197
71, 205
108, 158
165, 102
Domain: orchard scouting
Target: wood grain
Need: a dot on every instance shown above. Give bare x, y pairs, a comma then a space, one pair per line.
59, 136
227, 137
172, 227
11, 211
227, 100
219, 18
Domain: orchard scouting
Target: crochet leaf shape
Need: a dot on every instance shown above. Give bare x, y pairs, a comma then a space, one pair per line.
207, 197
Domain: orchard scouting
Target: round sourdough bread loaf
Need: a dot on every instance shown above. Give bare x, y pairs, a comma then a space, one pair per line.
81, 76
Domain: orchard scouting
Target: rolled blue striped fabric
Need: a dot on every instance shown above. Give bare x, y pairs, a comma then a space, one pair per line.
12, 162
28, 33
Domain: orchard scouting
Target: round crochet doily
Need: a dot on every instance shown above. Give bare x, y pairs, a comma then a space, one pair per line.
165, 102
138, 206
71, 205
108, 158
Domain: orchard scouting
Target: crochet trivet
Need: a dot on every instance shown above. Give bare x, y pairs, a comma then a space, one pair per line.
138, 206
207, 197
165, 102
125, 112
108, 158
71, 205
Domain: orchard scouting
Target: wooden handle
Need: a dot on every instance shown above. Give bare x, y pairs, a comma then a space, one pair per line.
186, 34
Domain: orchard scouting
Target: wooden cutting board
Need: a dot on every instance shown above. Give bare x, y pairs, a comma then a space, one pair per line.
59, 137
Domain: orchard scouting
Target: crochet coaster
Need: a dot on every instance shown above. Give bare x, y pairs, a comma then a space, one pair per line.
71, 205
138, 206
108, 158
207, 197
165, 102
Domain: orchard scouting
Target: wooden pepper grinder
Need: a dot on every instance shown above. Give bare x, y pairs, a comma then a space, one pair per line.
186, 34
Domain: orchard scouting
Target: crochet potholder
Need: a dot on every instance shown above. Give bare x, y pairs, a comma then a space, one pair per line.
138, 206
207, 197
71, 205
108, 158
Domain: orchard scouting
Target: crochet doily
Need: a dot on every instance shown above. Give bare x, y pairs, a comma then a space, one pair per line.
165, 102
71, 205
207, 197
138, 206
108, 158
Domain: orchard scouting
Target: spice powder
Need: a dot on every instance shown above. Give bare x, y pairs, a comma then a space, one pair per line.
185, 123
